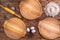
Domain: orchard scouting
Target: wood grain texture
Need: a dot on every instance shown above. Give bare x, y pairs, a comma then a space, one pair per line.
5, 15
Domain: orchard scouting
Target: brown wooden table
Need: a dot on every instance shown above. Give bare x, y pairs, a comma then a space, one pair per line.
5, 15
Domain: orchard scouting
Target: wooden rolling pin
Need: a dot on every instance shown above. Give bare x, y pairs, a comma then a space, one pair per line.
10, 11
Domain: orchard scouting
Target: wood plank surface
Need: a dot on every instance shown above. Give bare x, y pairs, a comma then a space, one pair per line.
5, 15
